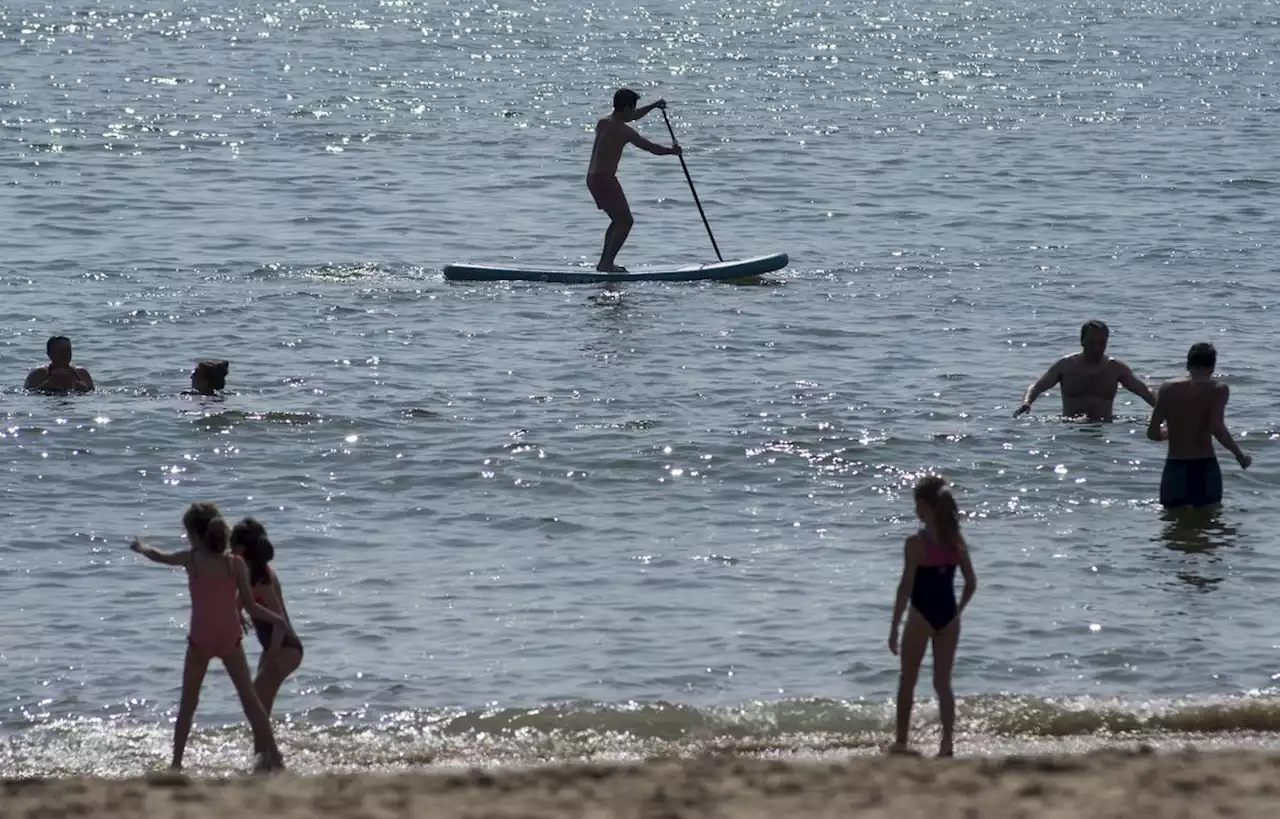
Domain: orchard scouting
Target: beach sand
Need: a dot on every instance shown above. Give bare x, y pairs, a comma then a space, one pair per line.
1099, 786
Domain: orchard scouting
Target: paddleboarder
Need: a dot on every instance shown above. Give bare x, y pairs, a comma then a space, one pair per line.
612, 135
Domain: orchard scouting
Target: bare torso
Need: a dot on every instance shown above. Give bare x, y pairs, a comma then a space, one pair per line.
611, 137
1088, 388
1189, 412
59, 379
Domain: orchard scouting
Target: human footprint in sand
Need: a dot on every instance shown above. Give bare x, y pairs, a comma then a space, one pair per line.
930, 559
612, 135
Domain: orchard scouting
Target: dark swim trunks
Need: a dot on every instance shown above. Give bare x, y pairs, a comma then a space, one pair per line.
1191, 482
607, 192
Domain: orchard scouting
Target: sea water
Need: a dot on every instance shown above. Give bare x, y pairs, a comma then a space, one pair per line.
523, 523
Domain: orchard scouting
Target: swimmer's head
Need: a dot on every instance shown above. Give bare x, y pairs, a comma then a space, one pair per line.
209, 376
935, 504
205, 527
1202, 356
58, 349
624, 102
249, 541
1093, 338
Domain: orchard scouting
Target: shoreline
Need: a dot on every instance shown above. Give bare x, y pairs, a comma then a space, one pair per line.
1100, 785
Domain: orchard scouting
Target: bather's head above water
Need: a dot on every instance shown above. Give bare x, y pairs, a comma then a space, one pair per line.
209, 376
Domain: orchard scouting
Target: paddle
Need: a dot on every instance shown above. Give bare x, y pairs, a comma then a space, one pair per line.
692, 190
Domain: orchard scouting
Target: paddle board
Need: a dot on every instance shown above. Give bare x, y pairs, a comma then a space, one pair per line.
733, 269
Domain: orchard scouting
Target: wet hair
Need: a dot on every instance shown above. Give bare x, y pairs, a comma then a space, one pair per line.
1093, 324
1202, 356
213, 371
203, 520
933, 492
625, 98
54, 341
251, 536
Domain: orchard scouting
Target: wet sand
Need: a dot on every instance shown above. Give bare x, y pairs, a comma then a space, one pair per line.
1099, 786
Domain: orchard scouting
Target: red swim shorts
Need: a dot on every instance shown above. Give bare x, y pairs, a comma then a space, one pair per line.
608, 194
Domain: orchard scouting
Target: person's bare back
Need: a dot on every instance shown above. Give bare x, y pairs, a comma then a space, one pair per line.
1190, 407
1191, 413
611, 137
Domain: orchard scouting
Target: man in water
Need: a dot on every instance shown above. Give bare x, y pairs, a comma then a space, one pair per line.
1088, 379
612, 135
58, 375
1193, 411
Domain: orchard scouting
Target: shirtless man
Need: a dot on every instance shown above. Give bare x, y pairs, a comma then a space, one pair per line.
58, 375
612, 135
1088, 379
1193, 411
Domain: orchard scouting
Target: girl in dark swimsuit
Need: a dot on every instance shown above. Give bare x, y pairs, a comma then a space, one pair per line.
930, 559
281, 648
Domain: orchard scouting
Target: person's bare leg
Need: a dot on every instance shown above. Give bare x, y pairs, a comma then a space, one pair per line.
944, 661
264, 740
621, 229
193, 671
267, 683
915, 640
604, 251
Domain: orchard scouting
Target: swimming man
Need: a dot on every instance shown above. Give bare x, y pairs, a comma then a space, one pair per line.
612, 135
1193, 412
58, 375
1088, 379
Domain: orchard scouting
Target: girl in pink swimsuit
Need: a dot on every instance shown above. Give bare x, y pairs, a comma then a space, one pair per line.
930, 559
218, 582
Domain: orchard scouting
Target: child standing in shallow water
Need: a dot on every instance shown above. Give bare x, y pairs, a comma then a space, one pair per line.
218, 581
930, 558
281, 648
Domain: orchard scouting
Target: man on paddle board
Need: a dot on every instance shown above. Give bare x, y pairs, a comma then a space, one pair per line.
612, 135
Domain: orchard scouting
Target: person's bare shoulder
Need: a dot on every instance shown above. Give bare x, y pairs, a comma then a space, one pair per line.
37, 376
1118, 366
1067, 361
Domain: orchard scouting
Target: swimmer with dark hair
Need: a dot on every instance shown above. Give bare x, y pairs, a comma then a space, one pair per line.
210, 376
59, 375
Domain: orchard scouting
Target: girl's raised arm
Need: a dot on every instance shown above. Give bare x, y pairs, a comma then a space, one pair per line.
182, 558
